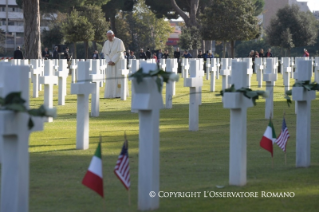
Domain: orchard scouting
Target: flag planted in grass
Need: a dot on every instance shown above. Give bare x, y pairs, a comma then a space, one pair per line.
283, 136
269, 138
122, 168
94, 177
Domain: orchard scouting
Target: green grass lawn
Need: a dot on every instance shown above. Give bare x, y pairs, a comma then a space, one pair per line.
189, 161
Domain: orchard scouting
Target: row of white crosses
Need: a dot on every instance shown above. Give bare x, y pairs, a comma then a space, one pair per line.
14, 140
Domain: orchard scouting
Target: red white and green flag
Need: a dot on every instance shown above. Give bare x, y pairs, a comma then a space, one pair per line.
93, 177
269, 138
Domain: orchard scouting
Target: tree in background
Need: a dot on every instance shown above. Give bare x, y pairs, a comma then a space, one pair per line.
113, 7
123, 30
96, 18
2, 39
32, 38
230, 20
53, 36
190, 38
146, 30
291, 27
76, 28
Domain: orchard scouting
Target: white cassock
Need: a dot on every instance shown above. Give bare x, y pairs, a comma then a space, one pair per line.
113, 51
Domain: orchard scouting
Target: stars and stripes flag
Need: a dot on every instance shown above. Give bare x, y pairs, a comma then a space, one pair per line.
122, 168
283, 137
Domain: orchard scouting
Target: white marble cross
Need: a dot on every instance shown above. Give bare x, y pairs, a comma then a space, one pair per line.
208, 66
83, 88
182, 67
225, 73
162, 64
218, 67
297, 59
36, 73
185, 69
148, 101
259, 66
73, 68
135, 67
14, 137
49, 79
103, 66
194, 82
62, 73
238, 104
286, 70
303, 99
96, 77
317, 69
270, 78
249, 70
124, 83
170, 84
212, 70
292, 65
174, 70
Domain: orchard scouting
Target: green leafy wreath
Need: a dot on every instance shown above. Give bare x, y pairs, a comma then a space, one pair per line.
14, 102
159, 74
309, 86
247, 92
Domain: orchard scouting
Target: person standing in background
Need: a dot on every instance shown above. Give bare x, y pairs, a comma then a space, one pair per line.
132, 56
160, 54
95, 55
17, 54
306, 53
55, 53
165, 55
261, 53
142, 55
269, 54
67, 54
177, 54
45, 53
148, 53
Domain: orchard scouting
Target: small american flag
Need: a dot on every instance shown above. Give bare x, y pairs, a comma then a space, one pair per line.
122, 168
282, 139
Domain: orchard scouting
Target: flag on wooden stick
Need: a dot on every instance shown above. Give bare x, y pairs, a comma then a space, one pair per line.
269, 138
122, 168
94, 177
283, 136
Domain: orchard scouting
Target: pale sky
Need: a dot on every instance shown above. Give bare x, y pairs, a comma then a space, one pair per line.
313, 4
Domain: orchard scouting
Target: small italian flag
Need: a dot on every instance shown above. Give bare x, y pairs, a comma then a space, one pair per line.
269, 138
93, 177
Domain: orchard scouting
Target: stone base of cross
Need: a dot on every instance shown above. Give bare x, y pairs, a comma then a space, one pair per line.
194, 83
303, 99
83, 88
238, 105
148, 101
14, 139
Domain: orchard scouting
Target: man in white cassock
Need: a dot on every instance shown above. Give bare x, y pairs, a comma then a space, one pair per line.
113, 50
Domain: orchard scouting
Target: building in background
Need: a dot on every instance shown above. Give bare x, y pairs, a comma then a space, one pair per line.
174, 36
12, 23
316, 14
